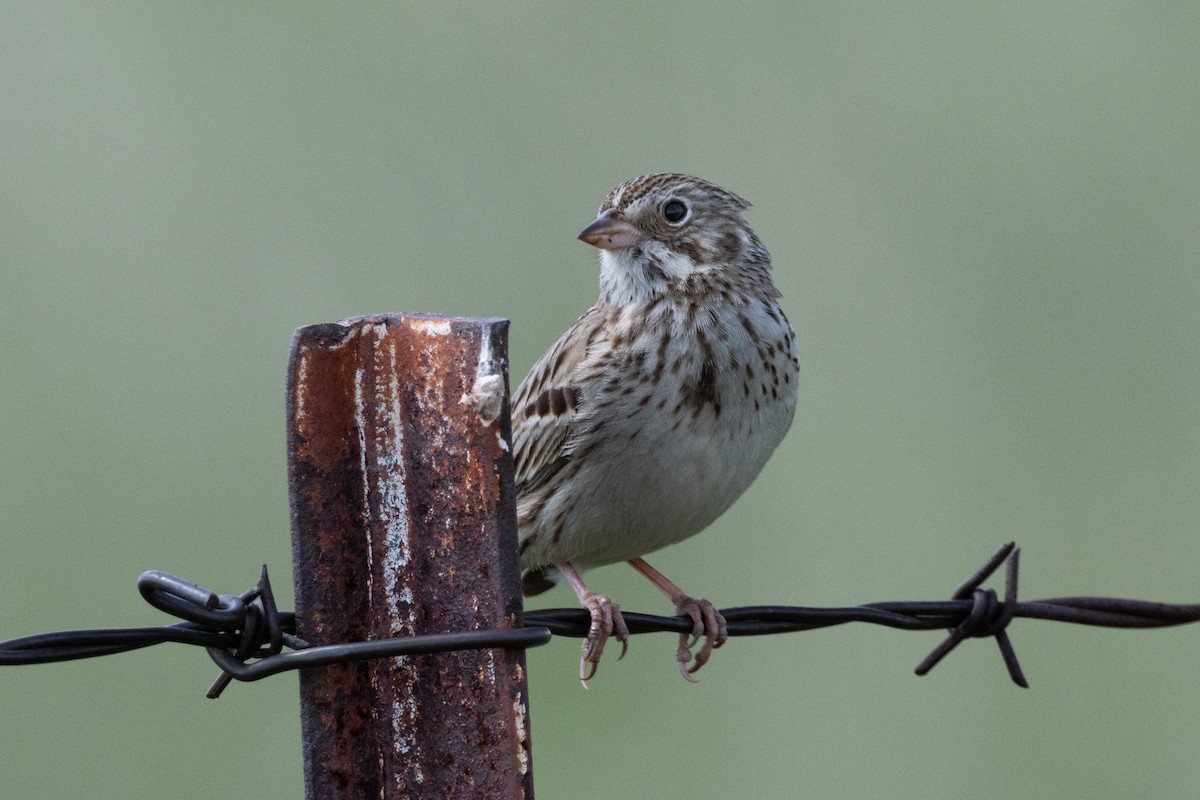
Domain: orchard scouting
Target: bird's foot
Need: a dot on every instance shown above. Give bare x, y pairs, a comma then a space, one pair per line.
606, 621
707, 623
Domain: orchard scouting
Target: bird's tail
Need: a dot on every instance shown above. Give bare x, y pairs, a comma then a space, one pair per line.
538, 580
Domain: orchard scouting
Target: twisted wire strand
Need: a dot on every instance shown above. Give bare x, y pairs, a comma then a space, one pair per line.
245, 634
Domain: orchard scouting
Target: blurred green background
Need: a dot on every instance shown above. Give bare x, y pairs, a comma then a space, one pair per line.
985, 222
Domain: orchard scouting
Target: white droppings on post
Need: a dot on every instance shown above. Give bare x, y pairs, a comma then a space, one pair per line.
392, 511
485, 353
404, 736
519, 715
360, 427
393, 514
299, 394
487, 393
432, 327
486, 398
406, 739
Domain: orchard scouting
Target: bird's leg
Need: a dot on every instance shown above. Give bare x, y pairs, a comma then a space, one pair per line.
606, 621
706, 620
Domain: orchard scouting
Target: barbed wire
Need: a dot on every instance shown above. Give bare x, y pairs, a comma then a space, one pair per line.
245, 634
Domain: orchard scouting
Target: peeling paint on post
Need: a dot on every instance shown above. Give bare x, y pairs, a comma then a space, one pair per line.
403, 523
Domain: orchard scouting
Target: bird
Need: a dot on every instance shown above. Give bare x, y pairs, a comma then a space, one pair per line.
658, 407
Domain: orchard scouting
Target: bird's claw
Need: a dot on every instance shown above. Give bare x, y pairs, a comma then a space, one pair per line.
707, 623
606, 621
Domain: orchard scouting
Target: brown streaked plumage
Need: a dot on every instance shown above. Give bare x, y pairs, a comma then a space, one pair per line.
659, 406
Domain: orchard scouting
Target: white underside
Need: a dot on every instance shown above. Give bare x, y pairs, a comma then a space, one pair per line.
634, 496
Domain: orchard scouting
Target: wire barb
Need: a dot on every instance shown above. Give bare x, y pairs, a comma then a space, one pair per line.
987, 617
245, 635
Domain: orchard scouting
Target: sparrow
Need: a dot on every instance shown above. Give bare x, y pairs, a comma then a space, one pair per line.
658, 407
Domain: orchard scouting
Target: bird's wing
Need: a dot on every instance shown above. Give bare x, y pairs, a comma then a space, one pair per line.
546, 405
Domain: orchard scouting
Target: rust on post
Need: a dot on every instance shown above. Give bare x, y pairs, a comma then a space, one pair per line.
403, 522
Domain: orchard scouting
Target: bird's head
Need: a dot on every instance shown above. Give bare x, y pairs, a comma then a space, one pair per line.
663, 227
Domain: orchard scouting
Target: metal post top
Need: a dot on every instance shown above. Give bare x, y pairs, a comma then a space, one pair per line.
408, 317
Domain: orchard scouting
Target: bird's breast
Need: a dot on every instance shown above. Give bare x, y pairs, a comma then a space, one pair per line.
667, 449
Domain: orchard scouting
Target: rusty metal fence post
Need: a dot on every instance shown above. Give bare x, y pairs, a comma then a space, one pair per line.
403, 523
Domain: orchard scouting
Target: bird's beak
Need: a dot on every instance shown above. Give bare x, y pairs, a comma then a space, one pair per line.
610, 231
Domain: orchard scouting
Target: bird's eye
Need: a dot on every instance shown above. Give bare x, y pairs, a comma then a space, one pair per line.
675, 211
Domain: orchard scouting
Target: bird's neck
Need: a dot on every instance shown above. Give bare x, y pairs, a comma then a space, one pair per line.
637, 275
